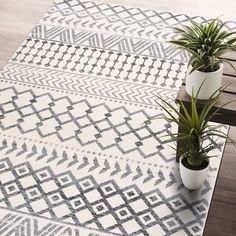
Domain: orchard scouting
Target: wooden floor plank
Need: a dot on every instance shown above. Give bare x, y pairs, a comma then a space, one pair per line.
221, 220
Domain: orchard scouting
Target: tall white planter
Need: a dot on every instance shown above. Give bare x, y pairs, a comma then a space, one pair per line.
212, 82
192, 179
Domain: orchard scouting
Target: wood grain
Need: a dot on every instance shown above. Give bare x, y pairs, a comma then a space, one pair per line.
18, 17
16, 20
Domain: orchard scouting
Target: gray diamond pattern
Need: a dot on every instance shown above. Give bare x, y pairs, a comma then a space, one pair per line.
80, 152
106, 205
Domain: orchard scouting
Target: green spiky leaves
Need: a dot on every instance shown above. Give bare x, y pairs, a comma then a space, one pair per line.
194, 126
206, 43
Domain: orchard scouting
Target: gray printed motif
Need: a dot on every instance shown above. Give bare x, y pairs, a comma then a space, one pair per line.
144, 47
106, 206
13, 223
76, 83
82, 122
102, 63
117, 19
79, 154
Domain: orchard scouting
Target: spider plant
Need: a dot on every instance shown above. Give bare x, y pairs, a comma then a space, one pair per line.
195, 128
206, 43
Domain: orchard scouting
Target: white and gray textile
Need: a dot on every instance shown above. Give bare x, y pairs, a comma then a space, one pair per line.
80, 155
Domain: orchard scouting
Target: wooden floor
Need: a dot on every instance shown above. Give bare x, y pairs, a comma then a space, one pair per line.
18, 17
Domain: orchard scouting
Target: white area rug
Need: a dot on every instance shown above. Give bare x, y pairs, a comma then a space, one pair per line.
79, 153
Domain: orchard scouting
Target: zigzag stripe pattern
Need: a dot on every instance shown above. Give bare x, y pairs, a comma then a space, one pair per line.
12, 225
16, 224
83, 143
107, 41
101, 63
86, 84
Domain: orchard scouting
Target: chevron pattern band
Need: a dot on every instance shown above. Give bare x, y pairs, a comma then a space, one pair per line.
83, 141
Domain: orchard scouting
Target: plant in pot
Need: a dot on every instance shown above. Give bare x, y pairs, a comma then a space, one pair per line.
205, 43
195, 134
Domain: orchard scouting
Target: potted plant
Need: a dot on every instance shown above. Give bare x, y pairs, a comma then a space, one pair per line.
205, 43
195, 130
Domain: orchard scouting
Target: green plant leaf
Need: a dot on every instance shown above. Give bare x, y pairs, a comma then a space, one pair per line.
206, 43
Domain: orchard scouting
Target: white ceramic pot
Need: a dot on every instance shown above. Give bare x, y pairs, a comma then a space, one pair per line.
192, 179
212, 82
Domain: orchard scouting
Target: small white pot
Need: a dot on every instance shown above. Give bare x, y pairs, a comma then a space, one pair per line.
212, 82
192, 179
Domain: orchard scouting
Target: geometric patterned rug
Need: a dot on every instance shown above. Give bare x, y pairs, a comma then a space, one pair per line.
79, 152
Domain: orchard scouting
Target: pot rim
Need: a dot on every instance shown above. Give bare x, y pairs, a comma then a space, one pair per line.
209, 72
182, 157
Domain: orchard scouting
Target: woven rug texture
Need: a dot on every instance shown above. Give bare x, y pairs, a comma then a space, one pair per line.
80, 154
